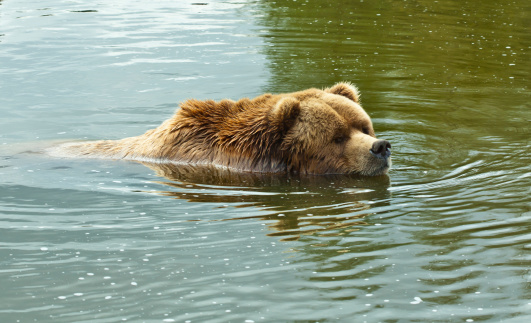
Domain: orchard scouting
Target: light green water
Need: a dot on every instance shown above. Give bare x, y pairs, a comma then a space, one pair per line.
445, 238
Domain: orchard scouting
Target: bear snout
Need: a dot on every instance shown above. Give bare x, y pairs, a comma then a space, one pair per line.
381, 149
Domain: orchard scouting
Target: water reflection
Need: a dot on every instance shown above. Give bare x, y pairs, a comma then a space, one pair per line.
295, 205
388, 44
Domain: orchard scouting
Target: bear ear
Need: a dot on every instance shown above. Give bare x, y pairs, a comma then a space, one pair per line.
284, 114
347, 90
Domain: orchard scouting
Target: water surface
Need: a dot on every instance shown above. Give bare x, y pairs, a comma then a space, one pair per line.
444, 238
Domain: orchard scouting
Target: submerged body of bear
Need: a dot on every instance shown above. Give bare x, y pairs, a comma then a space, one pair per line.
309, 132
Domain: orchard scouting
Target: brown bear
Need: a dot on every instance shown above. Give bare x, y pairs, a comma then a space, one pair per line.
308, 132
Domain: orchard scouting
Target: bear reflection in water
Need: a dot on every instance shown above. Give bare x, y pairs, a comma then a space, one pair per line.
292, 205
308, 132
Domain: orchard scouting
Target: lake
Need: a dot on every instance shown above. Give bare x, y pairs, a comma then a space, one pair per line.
446, 237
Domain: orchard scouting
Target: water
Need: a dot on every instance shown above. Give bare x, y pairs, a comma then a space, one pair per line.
446, 237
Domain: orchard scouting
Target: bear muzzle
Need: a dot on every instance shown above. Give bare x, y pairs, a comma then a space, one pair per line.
381, 149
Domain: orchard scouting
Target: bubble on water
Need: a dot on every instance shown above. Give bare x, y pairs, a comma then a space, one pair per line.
417, 300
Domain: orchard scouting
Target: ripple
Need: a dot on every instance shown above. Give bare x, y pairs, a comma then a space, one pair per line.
152, 61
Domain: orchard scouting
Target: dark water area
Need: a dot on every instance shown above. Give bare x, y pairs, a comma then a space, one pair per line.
446, 237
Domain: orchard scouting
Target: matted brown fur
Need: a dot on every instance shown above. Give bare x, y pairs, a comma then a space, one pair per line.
312, 131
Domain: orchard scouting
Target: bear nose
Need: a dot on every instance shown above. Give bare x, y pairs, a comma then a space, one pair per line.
381, 149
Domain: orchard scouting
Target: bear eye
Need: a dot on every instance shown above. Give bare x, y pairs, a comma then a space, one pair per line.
339, 140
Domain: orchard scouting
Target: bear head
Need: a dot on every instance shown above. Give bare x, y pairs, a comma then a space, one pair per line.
328, 132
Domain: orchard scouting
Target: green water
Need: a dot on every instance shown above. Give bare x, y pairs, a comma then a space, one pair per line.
445, 238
